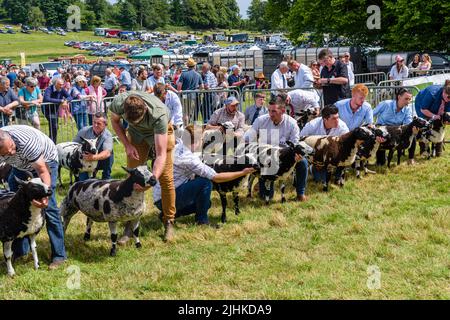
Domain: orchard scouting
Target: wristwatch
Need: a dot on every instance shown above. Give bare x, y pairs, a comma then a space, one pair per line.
328, 81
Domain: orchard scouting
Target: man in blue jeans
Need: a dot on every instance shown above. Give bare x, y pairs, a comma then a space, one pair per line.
277, 128
28, 150
105, 155
193, 178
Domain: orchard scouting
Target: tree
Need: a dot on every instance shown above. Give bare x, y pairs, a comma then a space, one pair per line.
36, 17
176, 13
99, 8
18, 10
128, 16
256, 15
201, 14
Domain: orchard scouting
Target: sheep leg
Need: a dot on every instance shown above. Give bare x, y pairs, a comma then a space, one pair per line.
7, 252
113, 231
390, 156
87, 234
399, 154
223, 201
283, 189
251, 180
341, 178
71, 181
67, 212
358, 164
34, 251
59, 175
327, 180
267, 191
135, 228
236, 202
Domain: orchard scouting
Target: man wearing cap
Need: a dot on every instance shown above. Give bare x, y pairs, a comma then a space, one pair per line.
399, 71
148, 128
229, 113
303, 75
256, 110
125, 78
190, 80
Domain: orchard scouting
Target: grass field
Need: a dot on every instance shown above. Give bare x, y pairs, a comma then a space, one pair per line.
396, 221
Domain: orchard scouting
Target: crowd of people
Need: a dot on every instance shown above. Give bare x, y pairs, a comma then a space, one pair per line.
419, 65
147, 115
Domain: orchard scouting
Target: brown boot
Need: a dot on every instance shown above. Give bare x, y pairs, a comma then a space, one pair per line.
168, 231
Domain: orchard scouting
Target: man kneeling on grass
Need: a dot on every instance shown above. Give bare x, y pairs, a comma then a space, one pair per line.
193, 178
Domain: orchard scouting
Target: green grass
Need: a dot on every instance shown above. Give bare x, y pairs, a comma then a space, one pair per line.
397, 220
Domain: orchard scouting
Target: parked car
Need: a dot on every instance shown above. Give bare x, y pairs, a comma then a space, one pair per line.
10, 31
385, 60
98, 69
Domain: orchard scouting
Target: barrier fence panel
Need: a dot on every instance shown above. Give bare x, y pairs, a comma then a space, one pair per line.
248, 97
421, 73
379, 94
390, 83
374, 77
199, 105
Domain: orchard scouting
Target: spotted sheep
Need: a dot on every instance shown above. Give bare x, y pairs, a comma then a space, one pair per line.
232, 164
369, 150
109, 201
276, 163
337, 152
433, 134
19, 218
305, 116
5, 170
401, 137
70, 155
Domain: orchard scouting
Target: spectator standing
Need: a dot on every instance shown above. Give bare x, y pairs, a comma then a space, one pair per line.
8, 101
303, 76
111, 85
79, 108
256, 110
140, 83
333, 78
125, 78
173, 104
59, 98
190, 80
279, 79
44, 80
157, 77
209, 83
98, 92
426, 63
415, 63
236, 79
399, 71
260, 81
350, 69
30, 97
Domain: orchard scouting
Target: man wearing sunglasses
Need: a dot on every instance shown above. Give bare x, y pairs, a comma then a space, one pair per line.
431, 103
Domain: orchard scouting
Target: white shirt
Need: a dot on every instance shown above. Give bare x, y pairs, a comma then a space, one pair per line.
173, 103
403, 74
316, 128
269, 133
302, 99
278, 80
303, 77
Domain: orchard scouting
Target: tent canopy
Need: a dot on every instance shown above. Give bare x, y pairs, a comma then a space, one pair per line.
146, 55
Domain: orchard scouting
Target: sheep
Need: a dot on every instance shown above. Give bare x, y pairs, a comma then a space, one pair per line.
277, 163
19, 218
401, 137
5, 170
369, 149
337, 151
304, 116
434, 134
232, 164
109, 201
70, 155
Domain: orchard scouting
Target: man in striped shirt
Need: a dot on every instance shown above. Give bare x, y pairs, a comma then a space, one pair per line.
29, 150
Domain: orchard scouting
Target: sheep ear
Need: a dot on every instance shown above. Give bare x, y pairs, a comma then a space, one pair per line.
127, 170
290, 144
20, 181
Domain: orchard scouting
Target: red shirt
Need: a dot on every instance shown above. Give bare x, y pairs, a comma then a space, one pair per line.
43, 82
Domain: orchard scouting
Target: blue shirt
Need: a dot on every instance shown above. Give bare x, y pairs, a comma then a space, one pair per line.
363, 115
110, 82
430, 99
125, 78
7, 97
27, 96
190, 80
55, 97
12, 76
387, 115
78, 107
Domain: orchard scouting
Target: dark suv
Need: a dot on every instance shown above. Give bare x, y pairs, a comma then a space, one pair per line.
98, 69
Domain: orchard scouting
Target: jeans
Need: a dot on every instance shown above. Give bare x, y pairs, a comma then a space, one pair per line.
104, 165
321, 175
193, 196
52, 126
81, 120
52, 217
301, 176
4, 120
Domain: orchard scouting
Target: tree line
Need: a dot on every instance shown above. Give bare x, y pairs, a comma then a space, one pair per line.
129, 14
403, 24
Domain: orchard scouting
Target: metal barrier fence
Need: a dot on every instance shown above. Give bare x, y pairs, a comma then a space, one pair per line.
372, 77
422, 73
248, 96
380, 93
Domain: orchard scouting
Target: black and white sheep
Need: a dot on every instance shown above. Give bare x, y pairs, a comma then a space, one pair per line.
70, 156
369, 150
5, 170
337, 152
19, 218
305, 116
277, 163
434, 134
232, 164
401, 137
109, 201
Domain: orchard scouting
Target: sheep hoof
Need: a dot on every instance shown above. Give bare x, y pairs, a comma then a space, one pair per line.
36, 266
283, 200
87, 236
113, 252
325, 188
138, 245
224, 220
11, 274
237, 212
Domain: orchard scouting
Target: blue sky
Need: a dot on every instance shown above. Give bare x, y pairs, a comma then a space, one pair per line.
243, 5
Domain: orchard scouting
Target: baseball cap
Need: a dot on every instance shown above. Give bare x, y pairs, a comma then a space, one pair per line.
231, 101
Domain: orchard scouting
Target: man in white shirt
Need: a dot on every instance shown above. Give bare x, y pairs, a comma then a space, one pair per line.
279, 79
277, 128
173, 104
350, 68
303, 75
302, 99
